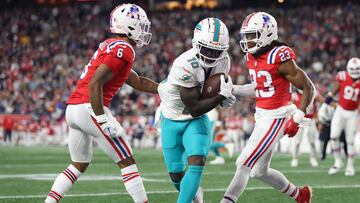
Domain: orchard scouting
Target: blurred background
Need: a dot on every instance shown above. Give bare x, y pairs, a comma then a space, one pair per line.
44, 45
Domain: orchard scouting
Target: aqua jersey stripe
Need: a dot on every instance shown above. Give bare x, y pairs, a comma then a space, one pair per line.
217, 30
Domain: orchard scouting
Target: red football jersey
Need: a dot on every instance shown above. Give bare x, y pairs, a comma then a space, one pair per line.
349, 91
272, 89
119, 56
311, 111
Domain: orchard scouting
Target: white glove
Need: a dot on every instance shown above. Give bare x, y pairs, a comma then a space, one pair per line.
228, 102
226, 87
109, 128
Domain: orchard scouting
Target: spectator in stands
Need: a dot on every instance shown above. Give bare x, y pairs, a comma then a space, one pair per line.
8, 126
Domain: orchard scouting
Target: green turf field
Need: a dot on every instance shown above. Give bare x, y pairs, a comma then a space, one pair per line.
26, 175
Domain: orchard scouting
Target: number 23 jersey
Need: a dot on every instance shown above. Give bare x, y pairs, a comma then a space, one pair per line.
272, 89
119, 57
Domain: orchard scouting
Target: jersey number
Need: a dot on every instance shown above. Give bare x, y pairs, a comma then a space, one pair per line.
351, 94
269, 90
83, 74
284, 56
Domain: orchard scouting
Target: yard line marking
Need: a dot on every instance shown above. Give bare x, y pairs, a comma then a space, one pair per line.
9, 176
170, 192
52, 176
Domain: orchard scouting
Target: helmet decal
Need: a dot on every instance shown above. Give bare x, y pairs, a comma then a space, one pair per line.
134, 12
217, 30
266, 21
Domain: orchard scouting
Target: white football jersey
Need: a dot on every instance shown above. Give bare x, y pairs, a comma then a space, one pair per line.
185, 72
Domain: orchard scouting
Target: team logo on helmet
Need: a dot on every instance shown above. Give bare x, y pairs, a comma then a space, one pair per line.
134, 12
267, 21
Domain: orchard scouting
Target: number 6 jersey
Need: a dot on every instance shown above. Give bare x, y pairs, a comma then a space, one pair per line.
272, 89
119, 57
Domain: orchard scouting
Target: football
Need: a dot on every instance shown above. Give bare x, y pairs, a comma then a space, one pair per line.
212, 86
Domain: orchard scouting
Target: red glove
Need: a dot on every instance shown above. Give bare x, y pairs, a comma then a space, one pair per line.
291, 128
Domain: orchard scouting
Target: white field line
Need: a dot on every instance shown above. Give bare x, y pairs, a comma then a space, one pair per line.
52, 176
303, 171
168, 192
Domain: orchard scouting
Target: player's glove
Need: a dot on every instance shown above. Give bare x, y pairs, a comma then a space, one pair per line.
228, 102
109, 128
292, 125
226, 87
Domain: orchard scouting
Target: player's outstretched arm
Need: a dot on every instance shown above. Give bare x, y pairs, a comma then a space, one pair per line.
247, 90
101, 76
142, 83
196, 106
300, 80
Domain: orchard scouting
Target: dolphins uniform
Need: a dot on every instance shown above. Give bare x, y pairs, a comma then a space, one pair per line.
182, 134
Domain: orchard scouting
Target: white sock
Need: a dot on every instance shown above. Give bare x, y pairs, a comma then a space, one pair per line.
237, 185
291, 190
336, 149
134, 184
277, 180
62, 184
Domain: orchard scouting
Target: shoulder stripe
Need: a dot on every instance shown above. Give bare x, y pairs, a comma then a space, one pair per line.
271, 54
113, 44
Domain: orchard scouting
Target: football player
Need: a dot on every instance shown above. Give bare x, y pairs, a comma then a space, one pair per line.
185, 128
272, 69
87, 113
309, 130
215, 126
346, 114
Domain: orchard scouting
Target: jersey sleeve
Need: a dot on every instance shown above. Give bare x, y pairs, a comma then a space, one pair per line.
223, 66
182, 76
118, 57
341, 76
280, 55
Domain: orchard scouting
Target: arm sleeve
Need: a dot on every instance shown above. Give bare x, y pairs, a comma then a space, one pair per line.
244, 90
118, 58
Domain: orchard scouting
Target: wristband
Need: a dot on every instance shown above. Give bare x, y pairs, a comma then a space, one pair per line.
298, 116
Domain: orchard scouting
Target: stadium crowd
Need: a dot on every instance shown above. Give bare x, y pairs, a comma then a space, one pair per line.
43, 51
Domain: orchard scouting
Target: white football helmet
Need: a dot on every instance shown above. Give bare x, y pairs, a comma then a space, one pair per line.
353, 67
258, 30
210, 41
131, 20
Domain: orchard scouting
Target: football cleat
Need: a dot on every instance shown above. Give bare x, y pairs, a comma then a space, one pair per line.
313, 162
217, 161
305, 195
333, 170
294, 162
199, 197
350, 171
